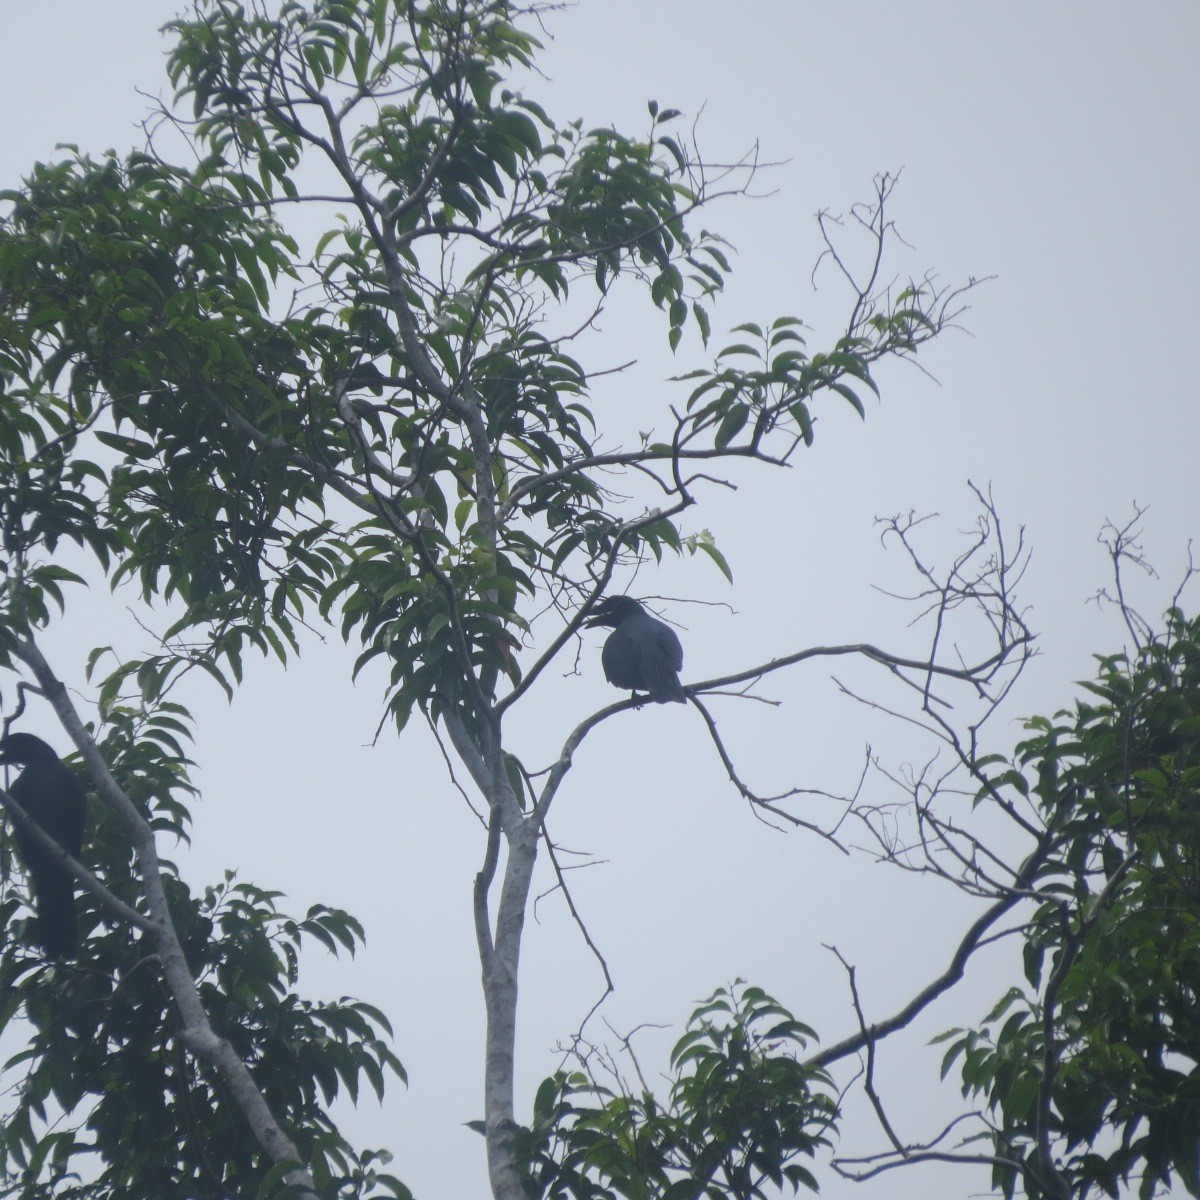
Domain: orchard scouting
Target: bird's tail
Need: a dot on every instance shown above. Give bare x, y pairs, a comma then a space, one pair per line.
666, 689
57, 929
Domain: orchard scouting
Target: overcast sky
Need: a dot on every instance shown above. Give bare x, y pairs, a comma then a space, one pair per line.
1051, 146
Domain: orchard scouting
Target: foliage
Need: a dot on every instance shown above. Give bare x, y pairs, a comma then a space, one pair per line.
740, 1111
1094, 1069
386, 428
412, 452
104, 1030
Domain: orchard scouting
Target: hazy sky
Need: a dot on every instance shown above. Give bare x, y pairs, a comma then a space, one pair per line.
1052, 146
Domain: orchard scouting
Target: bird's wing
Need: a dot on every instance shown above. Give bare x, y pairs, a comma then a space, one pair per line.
53, 795
670, 645
622, 661
662, 657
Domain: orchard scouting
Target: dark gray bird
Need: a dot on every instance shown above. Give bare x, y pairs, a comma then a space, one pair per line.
641, 654
53, 795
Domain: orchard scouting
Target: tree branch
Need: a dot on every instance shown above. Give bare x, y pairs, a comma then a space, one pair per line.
946, 980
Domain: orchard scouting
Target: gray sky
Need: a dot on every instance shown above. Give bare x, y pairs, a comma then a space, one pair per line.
1053, 146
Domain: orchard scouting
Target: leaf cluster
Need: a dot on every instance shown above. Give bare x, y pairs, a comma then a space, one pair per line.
107, 1101
1100, 1056
406, 445
740, 1114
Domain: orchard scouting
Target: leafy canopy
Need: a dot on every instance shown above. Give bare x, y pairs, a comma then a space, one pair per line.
741, 1111
1101, 1050
407, 445
384, 426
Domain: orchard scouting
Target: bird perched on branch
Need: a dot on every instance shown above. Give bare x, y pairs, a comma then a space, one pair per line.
49, 792
641, 654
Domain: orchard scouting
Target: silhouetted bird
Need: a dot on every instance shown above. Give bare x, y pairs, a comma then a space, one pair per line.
641, 654
52, 794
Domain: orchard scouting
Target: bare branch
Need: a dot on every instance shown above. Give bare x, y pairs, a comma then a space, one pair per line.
609, 987
869, 1076
936, 987
769, 803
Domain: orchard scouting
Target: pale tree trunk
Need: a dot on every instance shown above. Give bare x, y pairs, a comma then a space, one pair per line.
500, 947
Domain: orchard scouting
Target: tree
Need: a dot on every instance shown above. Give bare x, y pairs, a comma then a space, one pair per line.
389, 431
1087, 1076
1093, 1075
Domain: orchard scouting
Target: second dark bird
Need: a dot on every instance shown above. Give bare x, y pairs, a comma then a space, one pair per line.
53, 795
642, 653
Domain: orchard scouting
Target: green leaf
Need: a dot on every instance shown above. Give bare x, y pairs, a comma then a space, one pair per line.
718, 558
731, 424
799, 412
855, 402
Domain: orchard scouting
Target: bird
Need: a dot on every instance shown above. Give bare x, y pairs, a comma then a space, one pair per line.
49, 792
642, 653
